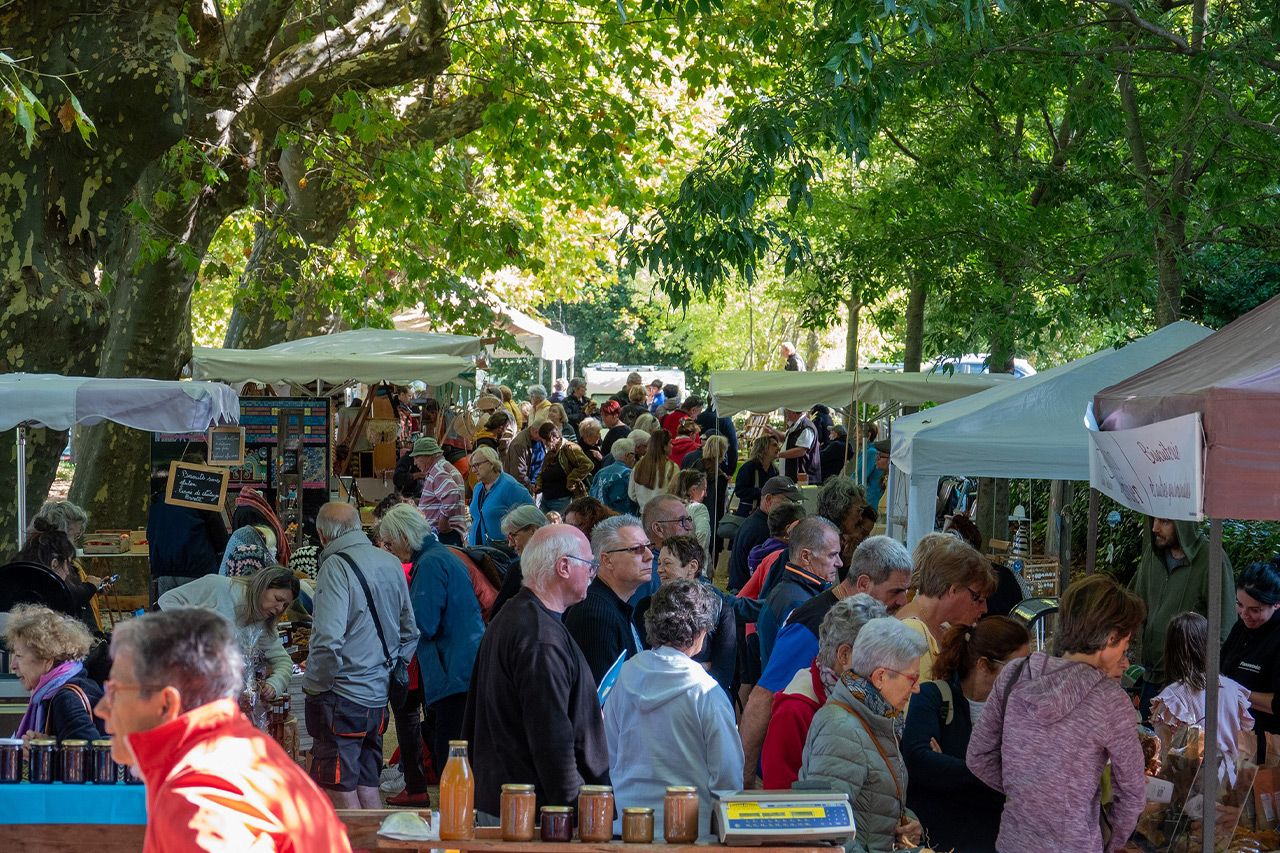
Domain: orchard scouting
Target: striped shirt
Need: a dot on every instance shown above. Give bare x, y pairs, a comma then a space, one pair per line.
442, 502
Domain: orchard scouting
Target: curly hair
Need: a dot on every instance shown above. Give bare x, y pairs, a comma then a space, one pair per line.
590, 512
679, 611
686, 549
944, 561
48, 635
839, 498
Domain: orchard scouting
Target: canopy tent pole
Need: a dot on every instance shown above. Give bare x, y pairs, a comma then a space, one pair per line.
1209, 768
1091, 546
22, 485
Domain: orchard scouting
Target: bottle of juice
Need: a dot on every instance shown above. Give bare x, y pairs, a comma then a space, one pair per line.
457, 795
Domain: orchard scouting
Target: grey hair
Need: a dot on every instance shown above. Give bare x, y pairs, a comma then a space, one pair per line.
651, 510
638, 436
522, 516
537, 391
538, 562
679, 611
838, 498
404, 528
647, 424
622, 447
336, 518
191, 649
878, 557
489, 455
577, 382
606, 534
811, 534
588, 425
62, 514
886, 643
843, 622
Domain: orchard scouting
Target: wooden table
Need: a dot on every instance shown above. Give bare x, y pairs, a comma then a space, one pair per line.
489, 839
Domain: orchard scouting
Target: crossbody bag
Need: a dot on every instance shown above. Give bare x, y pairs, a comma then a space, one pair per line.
397, 670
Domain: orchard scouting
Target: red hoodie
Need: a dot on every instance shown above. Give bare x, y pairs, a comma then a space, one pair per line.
793, 712
215, 783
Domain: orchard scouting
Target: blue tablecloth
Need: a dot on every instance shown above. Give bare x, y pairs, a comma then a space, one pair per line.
58, 803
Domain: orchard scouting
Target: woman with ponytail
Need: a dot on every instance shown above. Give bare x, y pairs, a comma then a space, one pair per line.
955, 808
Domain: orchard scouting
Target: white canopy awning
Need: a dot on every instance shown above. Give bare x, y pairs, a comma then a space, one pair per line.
305, 368
60, 402
1030, 428
383, 342
535, 338
765, 390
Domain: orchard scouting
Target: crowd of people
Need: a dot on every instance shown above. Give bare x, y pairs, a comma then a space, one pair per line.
551, 597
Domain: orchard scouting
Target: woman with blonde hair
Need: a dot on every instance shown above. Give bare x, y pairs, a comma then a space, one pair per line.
48, 651
655, 472
952, 582
558, 416
690, 486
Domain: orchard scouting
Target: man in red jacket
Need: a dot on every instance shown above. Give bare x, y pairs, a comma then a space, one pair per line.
214, 782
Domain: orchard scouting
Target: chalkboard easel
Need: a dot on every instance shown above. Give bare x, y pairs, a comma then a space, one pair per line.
196, 486
226, 445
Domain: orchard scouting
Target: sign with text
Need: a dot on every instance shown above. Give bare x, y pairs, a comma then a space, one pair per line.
1157, 469
196, 486
226, 445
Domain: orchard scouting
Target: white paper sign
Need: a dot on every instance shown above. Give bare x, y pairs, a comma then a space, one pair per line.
1157, 469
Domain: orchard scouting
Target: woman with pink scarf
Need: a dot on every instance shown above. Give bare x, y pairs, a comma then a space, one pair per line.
48, 653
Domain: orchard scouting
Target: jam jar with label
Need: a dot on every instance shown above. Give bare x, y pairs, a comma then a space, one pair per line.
40, 760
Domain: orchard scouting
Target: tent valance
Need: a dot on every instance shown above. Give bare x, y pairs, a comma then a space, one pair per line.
304, 368
383, 342
765, 390
60, 402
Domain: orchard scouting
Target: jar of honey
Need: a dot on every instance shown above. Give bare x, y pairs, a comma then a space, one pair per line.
680, 815
519, 802
557, 824
595, 813
637, 825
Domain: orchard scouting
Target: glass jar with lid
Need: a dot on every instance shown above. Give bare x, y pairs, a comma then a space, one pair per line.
519, 802
10, 760
104, 770
75, 761
557, 824
595, 813
637, 825
40, 760
680, 815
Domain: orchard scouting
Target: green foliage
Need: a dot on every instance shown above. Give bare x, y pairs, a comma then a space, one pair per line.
27, 109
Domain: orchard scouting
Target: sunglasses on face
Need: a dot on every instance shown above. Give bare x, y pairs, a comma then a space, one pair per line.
637, 550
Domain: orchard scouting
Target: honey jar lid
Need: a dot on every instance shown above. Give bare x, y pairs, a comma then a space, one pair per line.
75, 743
682, 789
600, 789
637, 810
42, 741
556, 810
101, 742
518, 788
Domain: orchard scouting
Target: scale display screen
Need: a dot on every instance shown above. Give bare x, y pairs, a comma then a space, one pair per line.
763, 817
771, 816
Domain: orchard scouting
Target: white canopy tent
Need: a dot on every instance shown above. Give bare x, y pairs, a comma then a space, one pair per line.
332, 367
1031, 428
383, 342
60, 402
735, 391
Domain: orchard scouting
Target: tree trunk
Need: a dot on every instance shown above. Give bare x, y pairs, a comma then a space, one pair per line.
913, 345
854, 305
62, 202
1170, 278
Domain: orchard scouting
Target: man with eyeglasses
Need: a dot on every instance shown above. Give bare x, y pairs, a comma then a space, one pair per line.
213, 780
532, 714
602, 623
664, 516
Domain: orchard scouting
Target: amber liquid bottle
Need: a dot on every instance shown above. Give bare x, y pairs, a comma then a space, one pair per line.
457, 795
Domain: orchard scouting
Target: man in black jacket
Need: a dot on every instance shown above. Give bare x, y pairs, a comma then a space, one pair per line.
602, 624
532, 714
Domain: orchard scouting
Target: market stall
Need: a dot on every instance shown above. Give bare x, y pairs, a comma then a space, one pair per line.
334, 367
60, 402
1227, 386
734, 391
1029, 428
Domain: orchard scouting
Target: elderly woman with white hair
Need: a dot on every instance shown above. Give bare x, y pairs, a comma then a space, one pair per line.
518, 525
496, 493
667, 720
795, 706
853, 741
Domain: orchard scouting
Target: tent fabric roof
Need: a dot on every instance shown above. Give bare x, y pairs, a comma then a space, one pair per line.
765, 390
384, 342
1232, 379
1030, 428
60, 402
305, 368
539, 339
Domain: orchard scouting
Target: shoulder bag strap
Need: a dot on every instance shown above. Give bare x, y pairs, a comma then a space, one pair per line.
377, 623
1008, 688
84, 700
879, 748
948, 702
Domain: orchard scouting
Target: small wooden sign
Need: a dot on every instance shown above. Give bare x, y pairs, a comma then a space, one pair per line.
196, 486
226, 445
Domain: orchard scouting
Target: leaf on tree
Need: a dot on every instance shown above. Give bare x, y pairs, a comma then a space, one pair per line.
67, 116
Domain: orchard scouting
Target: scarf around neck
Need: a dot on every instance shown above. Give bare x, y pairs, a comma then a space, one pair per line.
33, 717
866, 693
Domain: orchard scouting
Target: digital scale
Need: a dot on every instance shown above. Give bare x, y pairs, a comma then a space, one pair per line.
779, 817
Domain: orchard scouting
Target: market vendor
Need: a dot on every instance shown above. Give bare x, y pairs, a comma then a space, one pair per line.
253, 605
48, 658
1251, 654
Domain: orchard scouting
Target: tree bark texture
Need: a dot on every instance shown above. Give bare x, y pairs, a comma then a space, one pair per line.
913, 345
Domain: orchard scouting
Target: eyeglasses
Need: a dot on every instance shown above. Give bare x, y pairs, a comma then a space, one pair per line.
511, 537
111, 688
684, 521
912, 678
637, 550
977, 597
594, 566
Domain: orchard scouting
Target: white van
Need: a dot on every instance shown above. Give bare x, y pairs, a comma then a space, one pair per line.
606, 378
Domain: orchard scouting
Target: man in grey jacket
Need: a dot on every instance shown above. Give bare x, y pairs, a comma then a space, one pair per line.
347, 675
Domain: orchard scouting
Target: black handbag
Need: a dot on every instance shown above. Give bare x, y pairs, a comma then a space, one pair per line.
398, 670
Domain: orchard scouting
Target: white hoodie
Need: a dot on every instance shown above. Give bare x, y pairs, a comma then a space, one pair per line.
669, 723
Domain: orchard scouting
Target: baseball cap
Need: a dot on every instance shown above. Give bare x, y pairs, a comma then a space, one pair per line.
780, 486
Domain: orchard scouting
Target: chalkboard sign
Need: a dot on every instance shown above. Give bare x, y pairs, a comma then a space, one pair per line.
226, 446
196, 486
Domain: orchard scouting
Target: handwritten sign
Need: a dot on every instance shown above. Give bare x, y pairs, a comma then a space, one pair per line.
226, 446
1157, 469
196, 486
